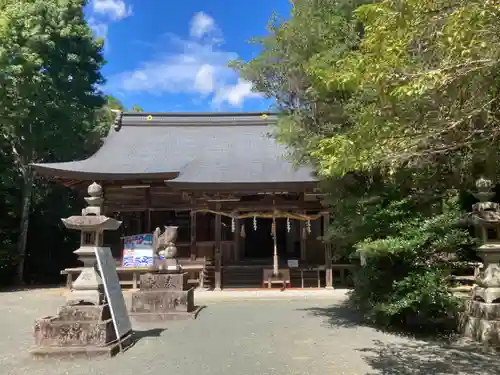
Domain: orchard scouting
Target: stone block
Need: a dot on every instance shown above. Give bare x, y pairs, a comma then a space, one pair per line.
486, 332
159, 281
161, 301
87, 351
158, 318
50, 331
483, 310
84, 313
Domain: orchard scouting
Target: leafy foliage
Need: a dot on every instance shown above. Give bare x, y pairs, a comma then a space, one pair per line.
51, 110
424, 87
420, 300
283, 70
395, 105
49, 73
405, 272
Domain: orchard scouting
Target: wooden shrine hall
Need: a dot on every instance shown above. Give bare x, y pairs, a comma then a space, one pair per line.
224, 181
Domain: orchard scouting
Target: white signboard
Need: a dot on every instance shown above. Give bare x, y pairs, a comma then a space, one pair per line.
113, 291
293, 263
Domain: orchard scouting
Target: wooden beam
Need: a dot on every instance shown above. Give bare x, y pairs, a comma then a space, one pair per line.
244, 187
236, 237
114, 206
218, 253
328, 253
303, 238
161, 184
148, 211
193, 235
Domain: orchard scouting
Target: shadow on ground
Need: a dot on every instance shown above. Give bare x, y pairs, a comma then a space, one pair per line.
411, 355
425, 358
341, 315
25, 288
142, 334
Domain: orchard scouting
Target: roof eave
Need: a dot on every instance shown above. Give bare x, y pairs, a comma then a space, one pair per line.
282, 186
60, 173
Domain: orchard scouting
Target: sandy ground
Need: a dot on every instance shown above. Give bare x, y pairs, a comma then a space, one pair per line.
243, 334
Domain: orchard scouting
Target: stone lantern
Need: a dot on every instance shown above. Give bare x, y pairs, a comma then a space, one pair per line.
481, 320
88, 286
83, 325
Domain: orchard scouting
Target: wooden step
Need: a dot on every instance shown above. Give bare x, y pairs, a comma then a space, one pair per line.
242, 277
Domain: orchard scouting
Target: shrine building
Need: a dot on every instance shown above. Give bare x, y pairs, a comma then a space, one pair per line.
223, 180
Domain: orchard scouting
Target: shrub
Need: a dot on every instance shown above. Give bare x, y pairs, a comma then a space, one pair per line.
420, 300
404, 280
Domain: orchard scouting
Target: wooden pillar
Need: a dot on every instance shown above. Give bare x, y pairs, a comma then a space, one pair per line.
328, 252
193, 249
218, 253
148, 211
236, 237
303, 238
242, 241
139, 223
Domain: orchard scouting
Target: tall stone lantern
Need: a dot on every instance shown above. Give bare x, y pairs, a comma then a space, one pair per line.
88, 286
481, 320
83, 325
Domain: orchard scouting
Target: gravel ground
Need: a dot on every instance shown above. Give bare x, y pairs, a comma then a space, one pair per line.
284, 336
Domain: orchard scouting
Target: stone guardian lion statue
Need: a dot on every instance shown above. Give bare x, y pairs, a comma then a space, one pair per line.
164, 243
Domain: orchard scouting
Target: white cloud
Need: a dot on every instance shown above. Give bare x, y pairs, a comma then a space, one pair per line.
236, 94
197, 66
202, 24
100, 29
114, 9
205, 79
196, 69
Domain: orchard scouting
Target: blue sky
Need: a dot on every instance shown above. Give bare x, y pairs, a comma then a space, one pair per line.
169, 55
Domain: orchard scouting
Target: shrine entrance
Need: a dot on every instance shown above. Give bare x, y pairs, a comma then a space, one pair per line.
259, 242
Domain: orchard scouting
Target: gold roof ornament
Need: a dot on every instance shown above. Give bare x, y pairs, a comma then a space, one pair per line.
149, 118
264, 116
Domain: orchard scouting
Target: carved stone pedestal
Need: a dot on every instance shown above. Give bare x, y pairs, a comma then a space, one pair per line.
481, 322
163, 297
77, 330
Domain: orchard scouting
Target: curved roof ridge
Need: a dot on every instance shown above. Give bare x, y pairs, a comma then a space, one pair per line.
197, 119
200, 114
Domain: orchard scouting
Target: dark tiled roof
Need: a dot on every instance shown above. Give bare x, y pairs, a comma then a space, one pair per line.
188, 148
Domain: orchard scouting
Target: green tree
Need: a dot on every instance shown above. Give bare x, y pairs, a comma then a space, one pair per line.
394, 104
425, 88
105, 116
49, 74
318, 33
136, 108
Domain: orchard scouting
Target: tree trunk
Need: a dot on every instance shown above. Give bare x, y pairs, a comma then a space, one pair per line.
23, 235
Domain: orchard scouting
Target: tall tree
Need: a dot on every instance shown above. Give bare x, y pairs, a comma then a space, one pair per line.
386, 99
136, 108
335, 69
49, 74
426, 88
105, 116
317, 33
